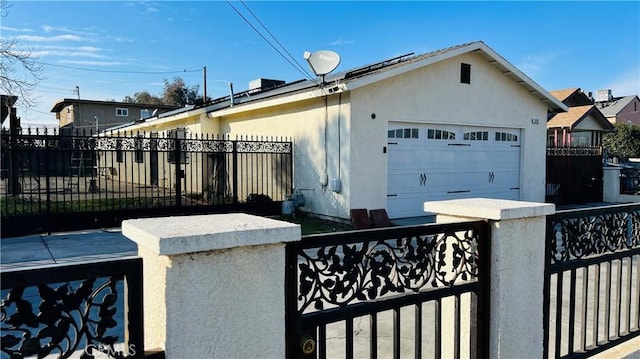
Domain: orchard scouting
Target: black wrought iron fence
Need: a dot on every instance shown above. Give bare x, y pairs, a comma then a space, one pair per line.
82, 309
574, 175
73, 177
423, 290
630, 181
592, 280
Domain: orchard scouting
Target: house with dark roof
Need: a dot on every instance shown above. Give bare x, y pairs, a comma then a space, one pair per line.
460, 122
624, 109
581, 126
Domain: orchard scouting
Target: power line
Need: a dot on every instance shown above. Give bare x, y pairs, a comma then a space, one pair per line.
57, 92
308, 75
269, 42
119, 71
54, 88
42, 112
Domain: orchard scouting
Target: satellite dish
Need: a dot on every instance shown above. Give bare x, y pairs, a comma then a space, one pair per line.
322, 62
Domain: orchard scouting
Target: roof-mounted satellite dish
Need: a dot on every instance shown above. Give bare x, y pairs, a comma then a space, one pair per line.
322, 62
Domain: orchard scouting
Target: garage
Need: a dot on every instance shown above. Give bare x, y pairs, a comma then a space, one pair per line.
429, 162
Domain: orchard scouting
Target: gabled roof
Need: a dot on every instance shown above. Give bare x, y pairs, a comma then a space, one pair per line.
564, 94
479, 47
362, 76
354, 78
572, 97
575, 115
614, 107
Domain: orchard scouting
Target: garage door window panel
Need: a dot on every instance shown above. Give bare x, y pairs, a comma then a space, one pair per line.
410, 133
506, 137
436, 134
476, 136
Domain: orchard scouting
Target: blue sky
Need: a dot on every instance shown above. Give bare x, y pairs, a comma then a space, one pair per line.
117, 48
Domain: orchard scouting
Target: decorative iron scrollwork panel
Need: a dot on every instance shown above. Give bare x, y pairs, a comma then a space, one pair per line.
589, 235
61, 318
263, 147
341, 274
574, 151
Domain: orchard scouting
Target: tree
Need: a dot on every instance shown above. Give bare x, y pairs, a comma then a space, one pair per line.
624, 142
177, 93
13, 59
143, 97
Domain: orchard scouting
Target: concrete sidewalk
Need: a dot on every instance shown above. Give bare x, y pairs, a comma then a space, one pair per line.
57, 248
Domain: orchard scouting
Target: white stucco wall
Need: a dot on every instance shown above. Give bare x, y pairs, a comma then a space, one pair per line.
611, 187
304, 122
347, 143
211, 284
517, 269
434, 94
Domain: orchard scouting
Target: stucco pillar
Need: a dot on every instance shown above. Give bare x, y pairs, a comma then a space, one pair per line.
516, 273
611, 184
213, 284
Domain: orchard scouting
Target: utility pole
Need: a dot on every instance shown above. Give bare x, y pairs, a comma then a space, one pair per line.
77, 91
204, 70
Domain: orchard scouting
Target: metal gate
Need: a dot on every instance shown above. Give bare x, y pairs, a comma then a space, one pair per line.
361, 293
592, 280
574, 175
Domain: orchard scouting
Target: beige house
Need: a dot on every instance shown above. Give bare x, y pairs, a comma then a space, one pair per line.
91, 115
460, 122
581, 126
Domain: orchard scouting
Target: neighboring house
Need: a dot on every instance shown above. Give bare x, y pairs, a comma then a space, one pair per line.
90, 115
619, 109
582, 126
460, 122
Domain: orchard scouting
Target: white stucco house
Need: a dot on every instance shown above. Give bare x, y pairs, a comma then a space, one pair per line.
460, 122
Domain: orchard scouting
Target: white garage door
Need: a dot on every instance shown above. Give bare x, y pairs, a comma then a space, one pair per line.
435, 162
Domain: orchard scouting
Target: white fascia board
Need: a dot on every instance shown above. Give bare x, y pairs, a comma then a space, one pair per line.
385, 74
505, 65
542, 93
268, 102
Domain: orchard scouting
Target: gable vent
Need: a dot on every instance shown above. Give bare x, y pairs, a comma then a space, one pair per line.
465, 73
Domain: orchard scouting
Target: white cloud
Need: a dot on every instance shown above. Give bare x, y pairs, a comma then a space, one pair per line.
15, 29
627, 83
49, 38
122, 39
342, 42
92, 63
70, 48
534, 64
63, 53
49, 29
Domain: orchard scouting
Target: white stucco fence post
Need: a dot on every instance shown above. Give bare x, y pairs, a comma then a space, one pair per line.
517, 269
213, 284
611, 184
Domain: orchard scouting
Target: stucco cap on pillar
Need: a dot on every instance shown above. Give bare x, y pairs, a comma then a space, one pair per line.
487, 208
201, 233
